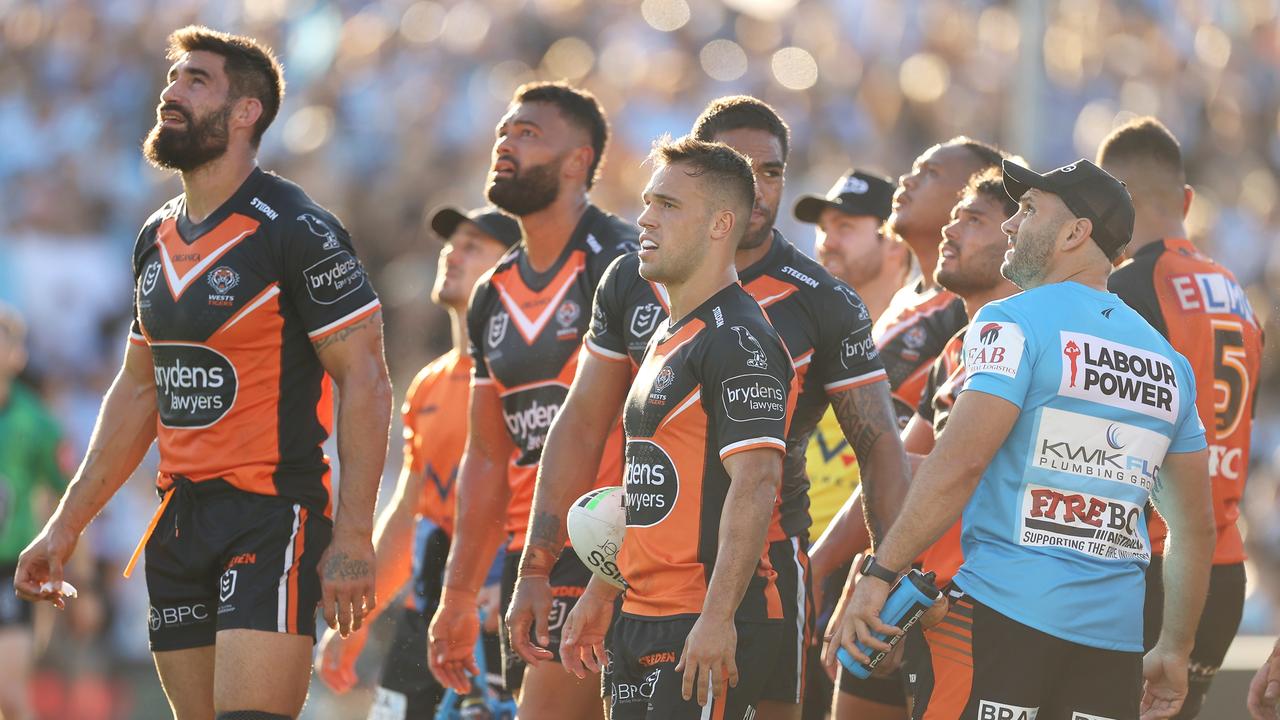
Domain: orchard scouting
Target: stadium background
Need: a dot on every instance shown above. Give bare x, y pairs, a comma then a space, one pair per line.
390, 110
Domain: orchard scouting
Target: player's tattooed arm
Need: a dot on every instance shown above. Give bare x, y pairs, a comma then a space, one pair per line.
343, 334
866, 416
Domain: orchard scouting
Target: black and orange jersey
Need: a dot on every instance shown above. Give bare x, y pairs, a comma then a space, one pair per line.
1204, 313
433, 437
526, 331
822, 321
229, 308
945, 381
716, 383
910, 334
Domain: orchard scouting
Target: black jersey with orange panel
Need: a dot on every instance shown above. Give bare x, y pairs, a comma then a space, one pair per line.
526, 331
716, 383
1204, 313
910, 334
230, 308
823, 324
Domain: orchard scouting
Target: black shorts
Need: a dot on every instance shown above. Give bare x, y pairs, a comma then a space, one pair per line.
882, 690
569, 578
407, 689
646, 686
984, 666
787, 680
14, 611
221, 559
1217, 628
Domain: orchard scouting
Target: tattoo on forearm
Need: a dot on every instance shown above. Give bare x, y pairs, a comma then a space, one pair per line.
342, 567
866, 415
545, 532
342, 334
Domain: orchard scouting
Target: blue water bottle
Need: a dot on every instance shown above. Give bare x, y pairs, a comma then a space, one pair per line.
910, 598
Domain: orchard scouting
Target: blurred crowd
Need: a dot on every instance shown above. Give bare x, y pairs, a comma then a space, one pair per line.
390, 112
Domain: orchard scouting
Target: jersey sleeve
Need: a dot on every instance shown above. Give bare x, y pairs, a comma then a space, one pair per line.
135, 322
322, 277
747, 374
605, 337
477, 326
996, 357
1189, 435
845, 356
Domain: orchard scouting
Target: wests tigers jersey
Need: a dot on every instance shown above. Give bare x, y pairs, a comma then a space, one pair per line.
1204, 313
526, 331
910, 334
822, 321
230, 308
717, 383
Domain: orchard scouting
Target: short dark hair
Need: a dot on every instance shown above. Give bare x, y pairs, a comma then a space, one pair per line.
735, 112
251, 67
579, 107
727, 169
989, 183
986, 154
1143, 138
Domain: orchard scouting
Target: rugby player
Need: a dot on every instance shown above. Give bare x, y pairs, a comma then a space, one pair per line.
706, 428
825, 327
1070, 405
29, 462
526, 321
908, 335
1204, 313
411, 540
249, 297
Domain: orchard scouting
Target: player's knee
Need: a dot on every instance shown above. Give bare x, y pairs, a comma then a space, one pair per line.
251, 715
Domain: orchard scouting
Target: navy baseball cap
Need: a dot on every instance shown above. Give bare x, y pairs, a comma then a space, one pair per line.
495, 223
1088, 191
857, 192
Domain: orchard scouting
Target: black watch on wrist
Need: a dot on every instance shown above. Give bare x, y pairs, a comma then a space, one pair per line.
876, 570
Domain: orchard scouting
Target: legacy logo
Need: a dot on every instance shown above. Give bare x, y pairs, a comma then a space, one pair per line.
1115, 374
651, 483
1092, 447
1094, 525
748, 342
334, 278
754, 397
150, 276
498, 323
988, 710
993, 347
227, 585
195, 385
644, 319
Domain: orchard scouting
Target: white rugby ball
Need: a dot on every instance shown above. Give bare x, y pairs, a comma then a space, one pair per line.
597, 522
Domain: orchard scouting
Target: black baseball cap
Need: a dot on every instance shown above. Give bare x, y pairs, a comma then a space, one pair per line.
1088, 191
857, 192
495, 223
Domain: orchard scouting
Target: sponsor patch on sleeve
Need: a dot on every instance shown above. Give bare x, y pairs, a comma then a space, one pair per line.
993, 347
754, 397
334, 278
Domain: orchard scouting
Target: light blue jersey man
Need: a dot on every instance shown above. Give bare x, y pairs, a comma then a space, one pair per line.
1075, 413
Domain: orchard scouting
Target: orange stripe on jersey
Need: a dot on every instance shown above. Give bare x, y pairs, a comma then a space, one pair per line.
769, 290
854, 383
520, 301
352, 318
952, 678
184, 263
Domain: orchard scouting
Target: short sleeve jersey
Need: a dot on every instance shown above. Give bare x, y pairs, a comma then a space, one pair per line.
823, 323
32, 455
717, 383
526, 331
909, 335
1201, 309
1055, 534
433, 437
230, 308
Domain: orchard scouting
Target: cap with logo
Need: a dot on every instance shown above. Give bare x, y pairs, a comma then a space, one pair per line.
492, 221
1089, 192
856, 193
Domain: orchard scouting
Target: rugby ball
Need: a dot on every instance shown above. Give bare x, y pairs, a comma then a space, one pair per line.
596, 523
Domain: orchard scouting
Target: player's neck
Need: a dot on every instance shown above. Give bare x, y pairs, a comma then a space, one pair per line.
974, 302
744, 259
926, 254
458, 327
1146, 232
547, 231
209, 186
706, 281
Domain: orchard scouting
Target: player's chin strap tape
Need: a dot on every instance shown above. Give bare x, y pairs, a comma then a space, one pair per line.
251, 715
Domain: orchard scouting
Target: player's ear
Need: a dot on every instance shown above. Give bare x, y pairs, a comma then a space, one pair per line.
723, 224
578, 162
245, 112
1188, 194
1081, 231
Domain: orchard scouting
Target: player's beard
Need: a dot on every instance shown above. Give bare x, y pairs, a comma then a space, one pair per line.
202, 141
528, 190
1028, 264
756, 237
977, 274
